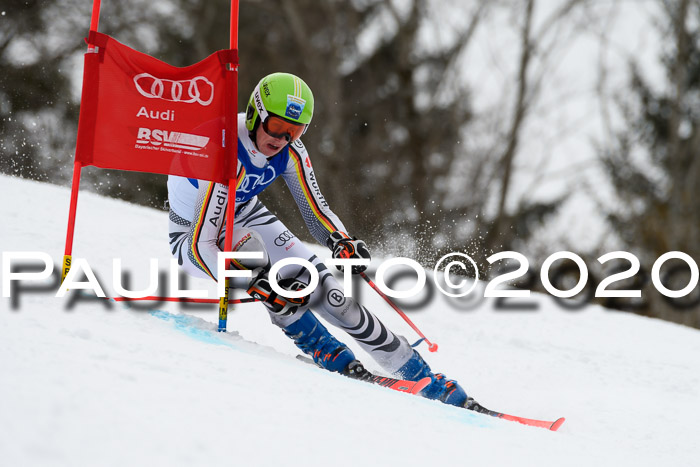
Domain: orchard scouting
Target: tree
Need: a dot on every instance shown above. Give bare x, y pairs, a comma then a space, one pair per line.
652, 162
39, 48
34, 92
394, 110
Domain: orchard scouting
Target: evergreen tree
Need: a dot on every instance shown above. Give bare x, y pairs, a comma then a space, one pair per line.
653, 163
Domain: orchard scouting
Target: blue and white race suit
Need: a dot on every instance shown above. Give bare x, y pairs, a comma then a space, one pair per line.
197, 221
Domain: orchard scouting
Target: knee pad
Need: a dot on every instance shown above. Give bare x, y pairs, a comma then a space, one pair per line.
248, 240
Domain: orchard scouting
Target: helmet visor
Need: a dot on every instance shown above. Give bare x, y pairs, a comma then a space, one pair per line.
278, 127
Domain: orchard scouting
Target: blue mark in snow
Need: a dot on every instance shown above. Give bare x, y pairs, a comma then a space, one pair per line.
189, 325
192, 327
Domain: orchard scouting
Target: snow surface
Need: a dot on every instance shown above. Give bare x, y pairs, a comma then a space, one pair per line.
91, 386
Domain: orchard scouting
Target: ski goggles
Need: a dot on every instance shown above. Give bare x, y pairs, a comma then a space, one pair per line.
278, 127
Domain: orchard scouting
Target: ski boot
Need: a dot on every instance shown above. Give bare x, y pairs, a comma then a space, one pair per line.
445, 390
314, 340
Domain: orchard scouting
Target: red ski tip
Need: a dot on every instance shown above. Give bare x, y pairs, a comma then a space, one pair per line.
555, 426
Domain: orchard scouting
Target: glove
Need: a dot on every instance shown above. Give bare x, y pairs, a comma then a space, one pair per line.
260, 289
343, 246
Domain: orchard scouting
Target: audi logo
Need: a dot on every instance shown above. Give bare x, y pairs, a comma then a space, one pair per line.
252, 181
283, 238
198, 89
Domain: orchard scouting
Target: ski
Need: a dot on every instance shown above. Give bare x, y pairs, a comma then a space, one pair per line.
414, 387
400, 385
552, 426
200, 330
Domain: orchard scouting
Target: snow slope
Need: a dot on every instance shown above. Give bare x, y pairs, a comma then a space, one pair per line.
91, 386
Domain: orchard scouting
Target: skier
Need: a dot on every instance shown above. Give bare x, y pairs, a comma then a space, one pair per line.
279, 111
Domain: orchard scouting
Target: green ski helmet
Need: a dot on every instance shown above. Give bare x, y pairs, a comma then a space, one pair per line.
283, 95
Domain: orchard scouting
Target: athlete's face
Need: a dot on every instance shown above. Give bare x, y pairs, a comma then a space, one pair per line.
268, 145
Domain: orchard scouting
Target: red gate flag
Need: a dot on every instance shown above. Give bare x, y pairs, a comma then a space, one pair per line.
141, 114
138, 113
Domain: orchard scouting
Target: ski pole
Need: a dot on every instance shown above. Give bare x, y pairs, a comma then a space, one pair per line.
432, 347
